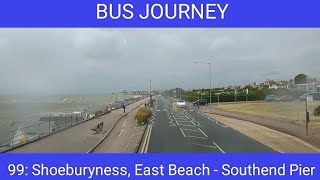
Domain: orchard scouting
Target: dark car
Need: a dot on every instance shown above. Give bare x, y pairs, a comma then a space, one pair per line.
272, 98
201, 102
286, 98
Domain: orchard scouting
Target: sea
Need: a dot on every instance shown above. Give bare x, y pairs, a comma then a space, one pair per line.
17, 110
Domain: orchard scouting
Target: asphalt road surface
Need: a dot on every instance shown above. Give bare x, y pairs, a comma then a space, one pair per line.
187, 131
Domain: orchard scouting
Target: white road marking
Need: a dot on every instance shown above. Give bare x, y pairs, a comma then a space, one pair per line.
198, 124
221, 124
120, 133
186, 125
202, 132
158, 110
204, 145
184, 121
196, 137
218, 147
191, 130
191, 110
182, 132
193, 123
124, 123
177, 123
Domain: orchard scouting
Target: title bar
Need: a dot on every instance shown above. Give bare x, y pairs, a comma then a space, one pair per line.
159, 13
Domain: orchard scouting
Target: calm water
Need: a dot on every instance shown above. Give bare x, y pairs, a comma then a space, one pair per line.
18, 110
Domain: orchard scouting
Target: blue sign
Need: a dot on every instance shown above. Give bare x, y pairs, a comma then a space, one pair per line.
159, 166
160, 13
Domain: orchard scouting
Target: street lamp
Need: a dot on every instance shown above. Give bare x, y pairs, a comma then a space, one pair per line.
209, 64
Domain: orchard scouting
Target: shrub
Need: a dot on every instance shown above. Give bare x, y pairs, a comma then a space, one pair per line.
142, 115
316, 111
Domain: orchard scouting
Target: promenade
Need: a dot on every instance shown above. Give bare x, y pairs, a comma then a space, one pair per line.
79, 138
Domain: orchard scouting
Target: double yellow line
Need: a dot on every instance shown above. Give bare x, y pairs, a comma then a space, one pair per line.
146, 140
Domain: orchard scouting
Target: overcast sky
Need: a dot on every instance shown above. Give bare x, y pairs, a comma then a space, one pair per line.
109, 60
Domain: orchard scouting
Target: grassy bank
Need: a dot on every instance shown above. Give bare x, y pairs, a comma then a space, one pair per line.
287, 111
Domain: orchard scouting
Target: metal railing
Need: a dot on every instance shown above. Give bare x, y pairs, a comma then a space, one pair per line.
51, 124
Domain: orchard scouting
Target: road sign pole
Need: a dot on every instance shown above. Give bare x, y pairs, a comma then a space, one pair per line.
307, 116
210, 85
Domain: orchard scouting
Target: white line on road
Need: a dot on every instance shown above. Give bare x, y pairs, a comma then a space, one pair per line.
184, 121
120, 133
204, 145
220, 124
158, 110
182, 132
193, 123
187, 125
196, 137
218, 147
202, 132
190, 130
124, 123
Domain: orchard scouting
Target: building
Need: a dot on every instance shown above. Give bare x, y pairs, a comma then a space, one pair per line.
309, 87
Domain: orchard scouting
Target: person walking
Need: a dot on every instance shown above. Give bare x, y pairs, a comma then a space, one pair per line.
124, 108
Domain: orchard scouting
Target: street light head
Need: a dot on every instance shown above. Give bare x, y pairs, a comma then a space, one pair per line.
195, 62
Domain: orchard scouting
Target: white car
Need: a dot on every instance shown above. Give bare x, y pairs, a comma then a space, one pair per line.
181, 103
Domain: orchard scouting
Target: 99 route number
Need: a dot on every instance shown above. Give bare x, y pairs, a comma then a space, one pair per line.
18, 169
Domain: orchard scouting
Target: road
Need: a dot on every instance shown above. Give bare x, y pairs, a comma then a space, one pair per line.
188, 131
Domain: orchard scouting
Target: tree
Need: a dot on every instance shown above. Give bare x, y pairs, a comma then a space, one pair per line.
300, 79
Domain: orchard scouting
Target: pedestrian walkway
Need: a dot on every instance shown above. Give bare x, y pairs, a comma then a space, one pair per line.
79, 138
121, 137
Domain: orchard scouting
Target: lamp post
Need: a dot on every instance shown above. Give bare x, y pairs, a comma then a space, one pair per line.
209, 64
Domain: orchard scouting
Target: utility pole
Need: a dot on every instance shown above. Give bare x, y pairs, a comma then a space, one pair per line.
209, 64
150, 91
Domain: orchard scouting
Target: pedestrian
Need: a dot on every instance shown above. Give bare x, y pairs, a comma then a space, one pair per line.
145, 104
124, 108
198, 105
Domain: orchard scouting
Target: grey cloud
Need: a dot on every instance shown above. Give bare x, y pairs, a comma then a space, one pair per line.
105, 60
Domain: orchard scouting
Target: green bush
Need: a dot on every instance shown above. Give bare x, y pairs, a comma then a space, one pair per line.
142, 115
140, 121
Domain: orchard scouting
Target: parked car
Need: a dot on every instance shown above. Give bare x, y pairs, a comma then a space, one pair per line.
181, 103
286, 98
316, 96
201, 102
272, 98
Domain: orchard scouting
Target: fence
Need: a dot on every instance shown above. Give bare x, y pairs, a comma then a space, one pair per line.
54, 123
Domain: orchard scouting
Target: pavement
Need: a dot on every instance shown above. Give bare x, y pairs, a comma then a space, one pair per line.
286, 127
79, 138
188, 131
123, 138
